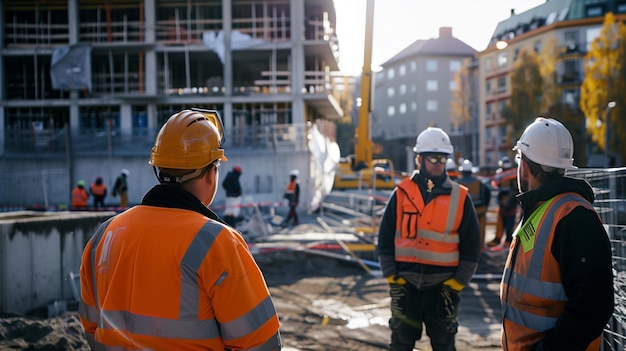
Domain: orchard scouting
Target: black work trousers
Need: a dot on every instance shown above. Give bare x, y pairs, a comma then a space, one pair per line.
435, 308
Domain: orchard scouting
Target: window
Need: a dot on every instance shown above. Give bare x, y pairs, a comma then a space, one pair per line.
402, 108
538, 46
452, 85
488, 64
413, 66
501, 84
431, 66
455, 65
402, 70
390, 73
502, 59
571, 41
413, 106
488, 111
391, 92
431, 105
402, 89
591, 34
595, 11
488, 87
431, 85
391, 111
413, 88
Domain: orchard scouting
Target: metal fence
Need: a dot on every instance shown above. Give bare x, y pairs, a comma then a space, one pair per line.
609, 186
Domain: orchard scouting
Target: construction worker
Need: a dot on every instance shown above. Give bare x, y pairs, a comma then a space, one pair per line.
121, 187
169, 274
99, 191
79, 196
292, 195
233, 196
428, 247
479, 192
557, 286
505, 181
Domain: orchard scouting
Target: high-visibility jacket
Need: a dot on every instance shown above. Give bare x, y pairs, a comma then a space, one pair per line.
79, 197
428, 233
183, 282
505, 180
98, 190
532, 292
290, 192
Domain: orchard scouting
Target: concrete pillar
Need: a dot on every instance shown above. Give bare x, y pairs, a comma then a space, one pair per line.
297, 61
73, 19
227, 24
126, 118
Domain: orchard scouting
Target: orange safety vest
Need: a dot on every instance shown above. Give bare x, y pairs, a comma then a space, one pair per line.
506, 179
532, 291
98, 190
79, 197
428, 234
291, 188
182, 282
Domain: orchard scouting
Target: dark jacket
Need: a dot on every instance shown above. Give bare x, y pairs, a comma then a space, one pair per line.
424, 275
231, 184
583, 251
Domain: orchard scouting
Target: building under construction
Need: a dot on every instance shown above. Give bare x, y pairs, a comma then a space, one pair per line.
85, 85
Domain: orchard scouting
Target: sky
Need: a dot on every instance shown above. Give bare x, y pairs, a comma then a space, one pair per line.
399, 23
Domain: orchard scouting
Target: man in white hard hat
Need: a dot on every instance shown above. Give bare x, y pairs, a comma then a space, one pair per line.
480, 193
428, 248
557, 286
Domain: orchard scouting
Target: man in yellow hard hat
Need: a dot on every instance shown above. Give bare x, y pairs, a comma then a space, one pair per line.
169, 274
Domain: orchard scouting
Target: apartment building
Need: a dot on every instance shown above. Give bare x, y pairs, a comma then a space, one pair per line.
572, 25
85, 86
413, 91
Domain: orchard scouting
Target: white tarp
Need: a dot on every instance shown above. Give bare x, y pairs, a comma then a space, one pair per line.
70, 68
238, 41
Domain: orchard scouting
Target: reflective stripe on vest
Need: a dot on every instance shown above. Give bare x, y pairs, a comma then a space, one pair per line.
188, 326
533, 297
428, 233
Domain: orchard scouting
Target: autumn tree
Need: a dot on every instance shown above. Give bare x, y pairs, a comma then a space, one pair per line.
460, 105
605, 81
526, 92
547, 68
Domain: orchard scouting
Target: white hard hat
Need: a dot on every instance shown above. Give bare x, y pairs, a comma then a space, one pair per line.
466, 166
450, 164
548, 143
294, 172
125, 172
433, 140
505, 163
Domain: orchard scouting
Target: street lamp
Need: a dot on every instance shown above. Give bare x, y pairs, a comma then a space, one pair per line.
609, 106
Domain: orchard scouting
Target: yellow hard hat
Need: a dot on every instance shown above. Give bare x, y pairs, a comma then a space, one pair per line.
190, 139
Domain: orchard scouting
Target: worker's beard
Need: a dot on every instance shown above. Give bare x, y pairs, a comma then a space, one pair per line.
437, 180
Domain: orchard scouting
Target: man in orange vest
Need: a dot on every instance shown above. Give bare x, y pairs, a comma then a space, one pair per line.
169, 274
557, 286
479, 192
505, 181
292, 195
428, 248
99, 191
79, 196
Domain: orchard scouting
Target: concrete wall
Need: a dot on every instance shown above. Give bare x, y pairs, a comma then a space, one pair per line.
37, 253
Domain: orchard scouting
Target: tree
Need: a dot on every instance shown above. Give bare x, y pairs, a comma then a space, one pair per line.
547, 68
526, 92
461, 96
605, 81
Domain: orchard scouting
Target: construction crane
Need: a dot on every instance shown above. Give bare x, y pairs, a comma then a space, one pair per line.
360, 169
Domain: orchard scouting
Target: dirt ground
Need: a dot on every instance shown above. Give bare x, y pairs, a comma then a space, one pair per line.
323, 303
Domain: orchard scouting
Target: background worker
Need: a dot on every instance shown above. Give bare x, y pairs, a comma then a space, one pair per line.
428, 248
169, 274
292, 194
233, 196
79, 196
452, 169
121, 187
505, 181
557, 286
99, 191
480, 193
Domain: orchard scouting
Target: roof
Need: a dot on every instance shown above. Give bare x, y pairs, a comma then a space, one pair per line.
545, 14
444, 45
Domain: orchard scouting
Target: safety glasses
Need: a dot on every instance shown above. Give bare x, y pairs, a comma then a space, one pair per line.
437, 159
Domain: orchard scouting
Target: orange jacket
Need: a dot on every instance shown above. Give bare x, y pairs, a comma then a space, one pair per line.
182, 282
98, 190
428, 234
532, 293
79, 197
